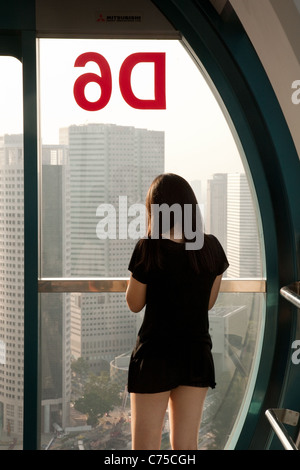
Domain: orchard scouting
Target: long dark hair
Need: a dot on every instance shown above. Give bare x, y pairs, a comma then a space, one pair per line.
173, 191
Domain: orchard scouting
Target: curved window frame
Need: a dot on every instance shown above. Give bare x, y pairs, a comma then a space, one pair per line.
258, 285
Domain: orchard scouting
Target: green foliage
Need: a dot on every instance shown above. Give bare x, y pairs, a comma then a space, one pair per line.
99, 397
80, 367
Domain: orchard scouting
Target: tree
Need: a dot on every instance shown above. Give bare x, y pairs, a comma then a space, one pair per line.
99, 397
80, 368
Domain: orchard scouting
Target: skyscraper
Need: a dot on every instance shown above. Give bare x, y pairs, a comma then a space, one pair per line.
55, 308
55, 312
11, 283
243, 243
216, 216
232, 219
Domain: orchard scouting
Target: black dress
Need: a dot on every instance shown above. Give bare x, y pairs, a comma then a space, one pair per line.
173, 345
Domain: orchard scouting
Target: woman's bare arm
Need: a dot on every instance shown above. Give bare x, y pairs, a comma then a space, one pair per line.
214, 291
136, 295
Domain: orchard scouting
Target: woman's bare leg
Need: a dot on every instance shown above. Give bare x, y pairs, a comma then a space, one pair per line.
185, 408
147, 416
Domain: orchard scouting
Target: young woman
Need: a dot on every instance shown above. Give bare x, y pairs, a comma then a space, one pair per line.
171, 364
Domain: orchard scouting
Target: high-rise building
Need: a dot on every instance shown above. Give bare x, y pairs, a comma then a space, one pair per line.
231, 218
55, 308
106, 162
243, 243
11, 284
216, 214
55, 311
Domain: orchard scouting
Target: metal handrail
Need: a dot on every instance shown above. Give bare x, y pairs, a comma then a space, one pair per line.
277, 419
56, 285
292, 293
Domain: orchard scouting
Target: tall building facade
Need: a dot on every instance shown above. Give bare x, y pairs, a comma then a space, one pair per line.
232, 219
106, 162
243, 242
11, 284
55, 311
55, 308
216, 215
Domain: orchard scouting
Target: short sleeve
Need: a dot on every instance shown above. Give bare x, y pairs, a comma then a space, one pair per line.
215, 255
221, 259
136, 265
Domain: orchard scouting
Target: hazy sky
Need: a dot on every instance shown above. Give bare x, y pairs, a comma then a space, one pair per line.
198, 140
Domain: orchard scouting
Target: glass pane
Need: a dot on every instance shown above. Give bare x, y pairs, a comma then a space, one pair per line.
86, 345
12, 255
236, 328
96, 168
110, 156
89, 351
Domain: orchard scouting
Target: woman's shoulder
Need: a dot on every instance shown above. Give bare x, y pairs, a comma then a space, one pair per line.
142, 242
142, 247
212, 243
210, 240
214, 254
